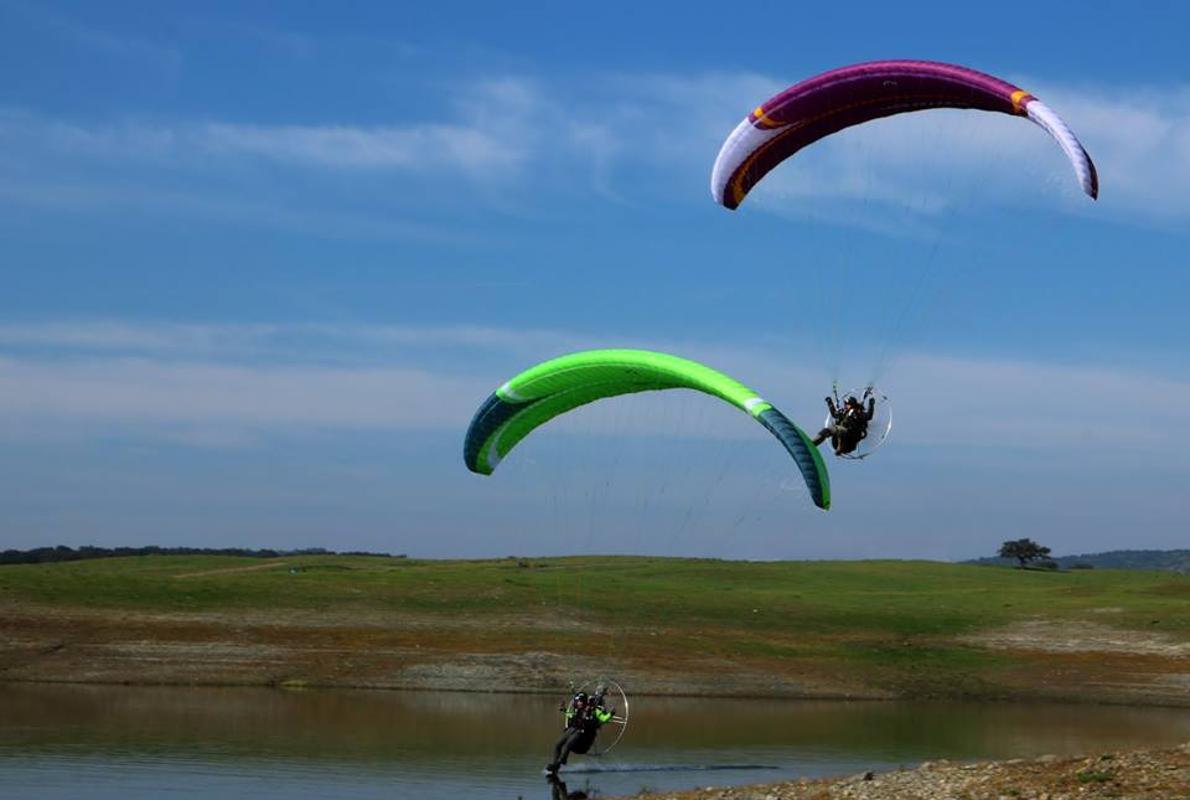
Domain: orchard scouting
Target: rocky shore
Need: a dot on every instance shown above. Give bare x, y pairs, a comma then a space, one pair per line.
1161, 774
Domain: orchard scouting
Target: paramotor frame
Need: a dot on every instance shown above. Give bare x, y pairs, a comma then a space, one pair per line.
619, 704
878, 428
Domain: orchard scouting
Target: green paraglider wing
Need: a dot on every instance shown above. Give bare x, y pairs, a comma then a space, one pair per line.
555, 387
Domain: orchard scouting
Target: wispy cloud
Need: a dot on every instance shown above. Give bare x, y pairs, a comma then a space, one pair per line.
425, 148
90, 194
629, 133
421, 148
116, 335
90, 37
1141, 140
170, 380
230, 341
1034, 405
153, 392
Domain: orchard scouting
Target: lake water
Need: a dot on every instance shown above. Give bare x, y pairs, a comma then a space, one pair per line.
67, 741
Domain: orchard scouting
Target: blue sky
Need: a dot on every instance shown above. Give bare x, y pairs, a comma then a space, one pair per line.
262, 261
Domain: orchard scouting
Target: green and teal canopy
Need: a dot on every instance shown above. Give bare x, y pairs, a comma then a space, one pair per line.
555, 387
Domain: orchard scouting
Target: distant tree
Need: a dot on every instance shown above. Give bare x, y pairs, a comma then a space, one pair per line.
1024, 551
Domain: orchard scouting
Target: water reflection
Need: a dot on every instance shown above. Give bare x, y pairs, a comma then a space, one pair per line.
129, 743
558, 790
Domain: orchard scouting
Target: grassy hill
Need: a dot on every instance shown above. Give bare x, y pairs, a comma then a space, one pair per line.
860, 629
1173, 560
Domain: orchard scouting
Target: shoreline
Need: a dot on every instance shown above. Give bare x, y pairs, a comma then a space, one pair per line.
1155, 773
302, 686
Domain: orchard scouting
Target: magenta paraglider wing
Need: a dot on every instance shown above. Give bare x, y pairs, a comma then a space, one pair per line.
832, 101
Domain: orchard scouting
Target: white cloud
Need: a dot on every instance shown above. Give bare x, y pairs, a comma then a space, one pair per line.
422, 148
491, 133
1034, 405
414, 147
1140, 139
235, 210
233, 341
625, 133
150, 392
160, 55
1073, 445
194, 378
105, 335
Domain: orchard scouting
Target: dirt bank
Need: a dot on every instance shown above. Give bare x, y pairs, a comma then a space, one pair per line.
1157, 774
406, 651
863, 630
47, 644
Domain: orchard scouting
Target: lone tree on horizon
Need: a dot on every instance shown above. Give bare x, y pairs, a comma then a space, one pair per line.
1024, 551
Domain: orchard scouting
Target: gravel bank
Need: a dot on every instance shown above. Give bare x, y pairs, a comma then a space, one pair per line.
1163, 774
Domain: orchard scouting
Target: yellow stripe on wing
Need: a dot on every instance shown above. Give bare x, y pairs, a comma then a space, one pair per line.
764, 120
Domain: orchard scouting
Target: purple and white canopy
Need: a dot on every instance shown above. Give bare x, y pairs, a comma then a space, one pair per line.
832, 101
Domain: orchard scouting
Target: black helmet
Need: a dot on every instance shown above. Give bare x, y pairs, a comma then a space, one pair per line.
580, 697
851, 400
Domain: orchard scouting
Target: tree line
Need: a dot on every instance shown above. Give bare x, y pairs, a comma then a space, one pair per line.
45, 555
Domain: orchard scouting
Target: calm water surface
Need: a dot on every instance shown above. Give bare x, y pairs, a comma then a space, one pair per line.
134, 743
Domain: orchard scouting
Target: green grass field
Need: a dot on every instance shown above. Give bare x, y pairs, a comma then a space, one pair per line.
898, 597
897, 626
